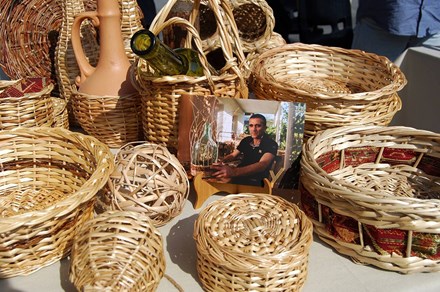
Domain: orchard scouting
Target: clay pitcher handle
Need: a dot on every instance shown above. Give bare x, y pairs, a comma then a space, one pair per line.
84, 66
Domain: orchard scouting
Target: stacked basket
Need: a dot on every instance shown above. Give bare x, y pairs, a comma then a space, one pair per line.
252, 242
373, 193
339, 86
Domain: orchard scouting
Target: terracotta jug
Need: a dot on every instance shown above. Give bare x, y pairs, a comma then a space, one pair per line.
111, 74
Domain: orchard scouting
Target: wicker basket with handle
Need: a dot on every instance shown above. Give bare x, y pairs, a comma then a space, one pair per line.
252, 240
48, 180
341, 87
117, 251
161, 95
373, 194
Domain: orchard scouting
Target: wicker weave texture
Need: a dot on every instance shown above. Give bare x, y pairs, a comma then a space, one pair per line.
368, 183
150, 180
255, 242
48, 180
114, 120
30, 110
117, 251
341, 87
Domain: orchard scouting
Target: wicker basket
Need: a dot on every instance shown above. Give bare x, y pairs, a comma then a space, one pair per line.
161, 95
29, 110
117, 251
29, 32
48, 180
114, 120
341, 87
373, 193
255, 242
148, 179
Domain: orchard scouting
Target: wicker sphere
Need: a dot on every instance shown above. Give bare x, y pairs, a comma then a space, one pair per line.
149, 179
117, 251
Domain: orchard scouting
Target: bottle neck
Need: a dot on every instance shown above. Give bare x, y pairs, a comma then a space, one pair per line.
163, 59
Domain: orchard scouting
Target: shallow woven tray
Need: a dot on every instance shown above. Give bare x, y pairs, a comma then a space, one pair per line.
373, 193
48, 180
341, 87
117, 251
255, 242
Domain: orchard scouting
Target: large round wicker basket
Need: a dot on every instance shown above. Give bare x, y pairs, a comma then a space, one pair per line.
340, 87
255, 242
117, 251
373, 193
48, 180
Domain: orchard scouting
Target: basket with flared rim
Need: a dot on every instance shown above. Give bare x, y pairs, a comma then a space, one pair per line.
343, 85
252, 240
161, 95
373, 193
117, 251
48, 180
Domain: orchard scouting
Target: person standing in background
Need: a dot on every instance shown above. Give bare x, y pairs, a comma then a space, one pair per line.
389, 27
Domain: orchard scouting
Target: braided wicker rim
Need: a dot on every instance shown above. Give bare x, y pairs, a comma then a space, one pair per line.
117, 250
252, 237
104, 166
297, 60
367, 205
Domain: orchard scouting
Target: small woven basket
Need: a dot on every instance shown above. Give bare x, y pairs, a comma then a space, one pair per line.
340, 87
117, 251
373, 193
30, 110
255, 242
148, 179
48, 180
161, 95
114, 120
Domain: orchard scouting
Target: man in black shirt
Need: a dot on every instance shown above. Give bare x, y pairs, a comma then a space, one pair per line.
259, 152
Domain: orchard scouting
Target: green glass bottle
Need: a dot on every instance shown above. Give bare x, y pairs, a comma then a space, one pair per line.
180, 61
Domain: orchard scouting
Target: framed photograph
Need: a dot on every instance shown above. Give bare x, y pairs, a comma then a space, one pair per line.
242, 141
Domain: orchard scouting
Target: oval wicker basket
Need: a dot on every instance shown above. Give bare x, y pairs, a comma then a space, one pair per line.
341, 87
48, 180
117, 251
255, 242
161, 95
373, 193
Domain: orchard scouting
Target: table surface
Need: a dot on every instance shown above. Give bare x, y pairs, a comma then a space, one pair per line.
328, 270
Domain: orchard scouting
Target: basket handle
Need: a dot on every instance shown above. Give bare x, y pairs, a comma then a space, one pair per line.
229, 38
84, 66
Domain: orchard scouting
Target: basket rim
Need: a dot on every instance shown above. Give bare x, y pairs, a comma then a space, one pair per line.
86, 192
368, 95
330, 182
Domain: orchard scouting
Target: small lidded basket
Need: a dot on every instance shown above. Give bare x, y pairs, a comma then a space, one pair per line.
373, 193
117, 251
255, 242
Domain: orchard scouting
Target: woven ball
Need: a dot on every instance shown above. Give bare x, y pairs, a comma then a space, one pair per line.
149, 179
117, 251
255, 242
